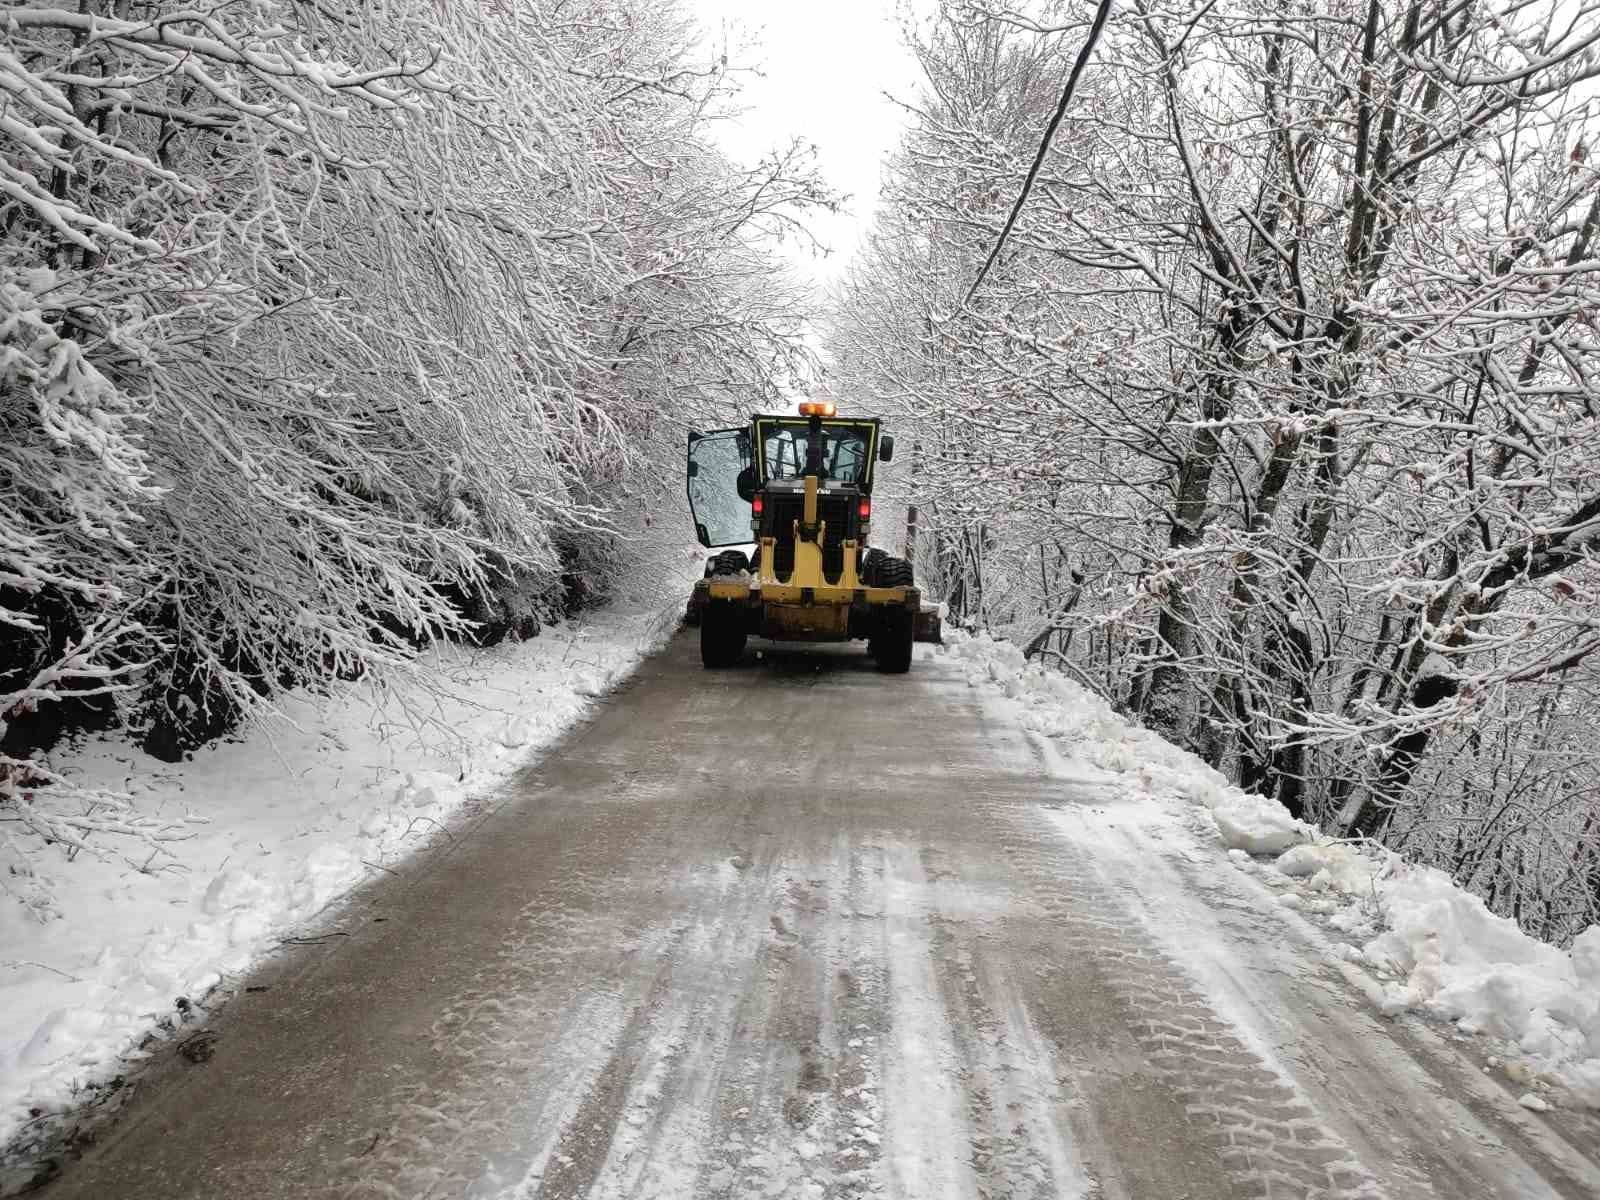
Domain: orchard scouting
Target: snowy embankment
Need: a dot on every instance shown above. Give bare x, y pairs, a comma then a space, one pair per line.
1407, 934
101, 953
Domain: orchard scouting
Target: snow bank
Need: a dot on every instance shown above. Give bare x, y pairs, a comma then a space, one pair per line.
1434, 947
1093, 732
99, 953
1441, 951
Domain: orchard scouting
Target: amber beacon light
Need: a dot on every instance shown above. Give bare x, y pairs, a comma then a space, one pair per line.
818, 408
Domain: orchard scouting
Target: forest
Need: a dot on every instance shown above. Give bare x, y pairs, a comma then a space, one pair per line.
1274, 419
329, 330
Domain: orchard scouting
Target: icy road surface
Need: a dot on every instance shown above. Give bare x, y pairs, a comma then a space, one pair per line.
804, 930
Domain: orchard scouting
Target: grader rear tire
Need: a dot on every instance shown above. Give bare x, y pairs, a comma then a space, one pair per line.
893, 644
721, 635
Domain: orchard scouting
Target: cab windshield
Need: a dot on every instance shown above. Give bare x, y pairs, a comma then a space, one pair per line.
845, 450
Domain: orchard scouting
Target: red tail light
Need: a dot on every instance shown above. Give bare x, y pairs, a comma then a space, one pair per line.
865, 509
756, 504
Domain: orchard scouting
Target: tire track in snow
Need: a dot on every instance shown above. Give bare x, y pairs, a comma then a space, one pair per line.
1021, 1142
585, 1143
930, 1142
1476, 1141
797, 1109
574, 981
647, 1123
858, 957
1250, 1115
659, 1146
485, 1038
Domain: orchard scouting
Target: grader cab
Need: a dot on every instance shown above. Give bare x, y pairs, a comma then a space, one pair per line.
800, 489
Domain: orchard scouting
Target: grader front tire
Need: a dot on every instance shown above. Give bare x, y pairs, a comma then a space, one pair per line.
893, 572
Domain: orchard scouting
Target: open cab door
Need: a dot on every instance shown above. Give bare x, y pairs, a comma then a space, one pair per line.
721, 515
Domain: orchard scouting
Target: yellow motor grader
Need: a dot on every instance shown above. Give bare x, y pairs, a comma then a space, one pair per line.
800, 489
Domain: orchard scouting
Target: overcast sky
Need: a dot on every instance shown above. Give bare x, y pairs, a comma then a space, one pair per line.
825, 66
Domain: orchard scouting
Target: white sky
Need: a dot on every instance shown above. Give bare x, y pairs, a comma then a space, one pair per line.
825, 65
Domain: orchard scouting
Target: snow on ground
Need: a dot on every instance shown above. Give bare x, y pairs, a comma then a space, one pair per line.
305, 807
1422, 943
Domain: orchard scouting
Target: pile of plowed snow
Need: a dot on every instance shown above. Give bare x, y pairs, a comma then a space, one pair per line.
1431, 946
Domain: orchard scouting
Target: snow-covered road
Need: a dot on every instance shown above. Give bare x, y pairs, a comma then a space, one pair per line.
805, 930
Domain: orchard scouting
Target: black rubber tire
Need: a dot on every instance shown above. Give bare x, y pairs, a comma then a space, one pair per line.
893, 572
728, 562
892, 646
871, 563
722, 635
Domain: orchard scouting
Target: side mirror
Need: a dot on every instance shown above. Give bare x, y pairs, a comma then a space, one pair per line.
694, 468
886, 448
746, 484
700, 532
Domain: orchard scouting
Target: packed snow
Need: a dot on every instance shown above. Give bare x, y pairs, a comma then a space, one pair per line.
1423, 943
103, 952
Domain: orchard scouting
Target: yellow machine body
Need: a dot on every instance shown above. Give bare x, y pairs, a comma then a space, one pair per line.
799, 478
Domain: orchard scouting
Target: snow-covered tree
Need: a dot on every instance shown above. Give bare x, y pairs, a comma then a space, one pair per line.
1274, 420
326, 330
